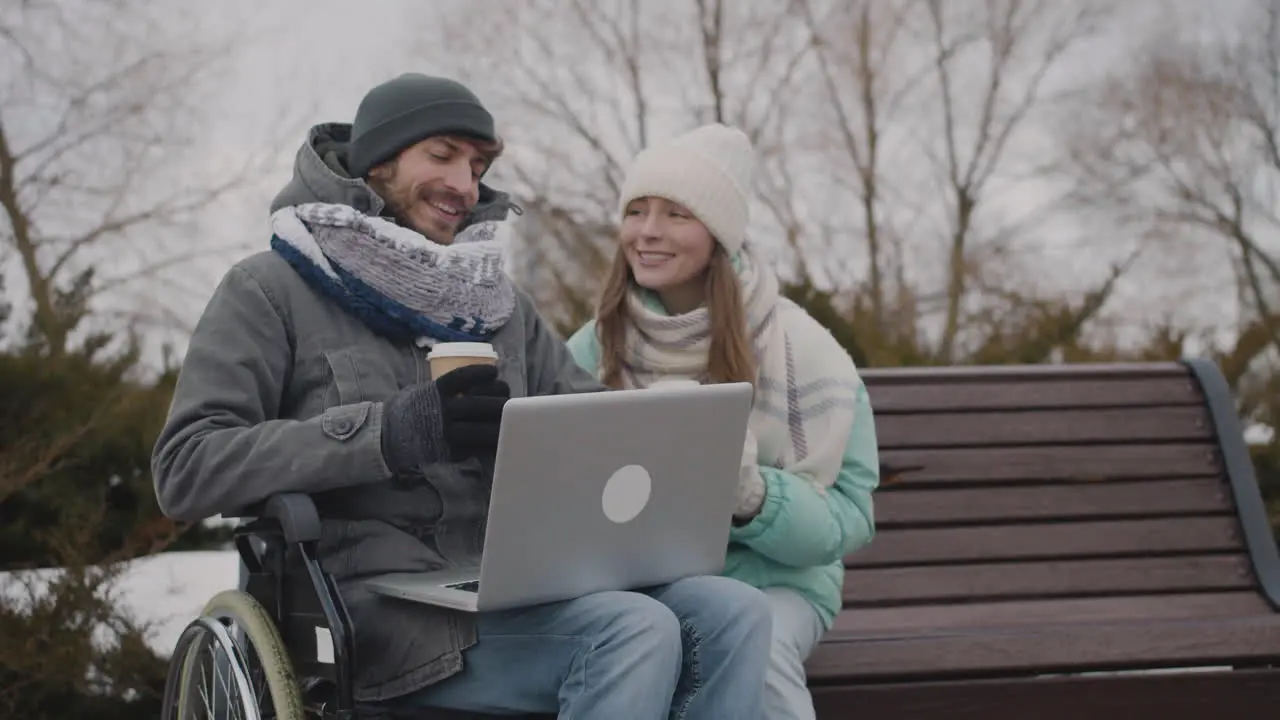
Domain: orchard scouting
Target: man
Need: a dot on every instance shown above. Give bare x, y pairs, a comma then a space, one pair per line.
307, 373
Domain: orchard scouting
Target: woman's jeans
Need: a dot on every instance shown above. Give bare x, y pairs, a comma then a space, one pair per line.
797, 630
697, 648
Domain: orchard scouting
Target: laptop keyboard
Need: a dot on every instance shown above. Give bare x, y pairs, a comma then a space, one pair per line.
468, 586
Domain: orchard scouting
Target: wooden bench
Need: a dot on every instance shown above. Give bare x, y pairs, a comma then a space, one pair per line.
1070, 523
1068, 520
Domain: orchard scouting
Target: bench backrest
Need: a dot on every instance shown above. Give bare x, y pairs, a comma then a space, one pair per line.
1058, 493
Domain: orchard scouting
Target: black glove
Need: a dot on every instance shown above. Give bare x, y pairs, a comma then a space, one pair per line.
471, 403
454, 417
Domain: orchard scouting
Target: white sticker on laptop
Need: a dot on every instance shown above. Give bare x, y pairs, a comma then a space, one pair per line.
626, 493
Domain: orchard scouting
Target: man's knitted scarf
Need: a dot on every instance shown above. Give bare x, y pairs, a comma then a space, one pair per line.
806, 385
395, 280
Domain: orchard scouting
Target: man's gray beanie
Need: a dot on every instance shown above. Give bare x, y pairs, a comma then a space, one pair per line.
408, 109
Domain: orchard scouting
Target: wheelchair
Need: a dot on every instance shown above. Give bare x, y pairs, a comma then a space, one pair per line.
279, 648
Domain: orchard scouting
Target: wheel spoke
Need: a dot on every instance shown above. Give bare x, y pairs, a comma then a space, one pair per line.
217, 669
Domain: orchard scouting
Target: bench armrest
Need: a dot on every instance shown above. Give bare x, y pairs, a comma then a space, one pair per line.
295, 512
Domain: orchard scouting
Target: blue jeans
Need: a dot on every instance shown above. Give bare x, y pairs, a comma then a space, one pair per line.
697, 648
797, 630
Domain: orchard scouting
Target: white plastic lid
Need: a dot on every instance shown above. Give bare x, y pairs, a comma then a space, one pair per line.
462, 349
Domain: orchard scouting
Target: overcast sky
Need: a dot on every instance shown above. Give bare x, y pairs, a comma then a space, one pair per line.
328, 54
312, 60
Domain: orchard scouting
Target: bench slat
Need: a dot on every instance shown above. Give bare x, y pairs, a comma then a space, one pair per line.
912, 506
1010, 373
869, 623
1056, 648
1050, 541
974, 429
1167, 696
1068, 393
1062, 462
870, 586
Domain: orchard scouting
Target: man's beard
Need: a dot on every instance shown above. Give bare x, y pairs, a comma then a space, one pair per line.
398, 202
397, 211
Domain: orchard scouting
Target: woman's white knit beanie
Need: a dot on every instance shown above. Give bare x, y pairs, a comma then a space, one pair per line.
708, 170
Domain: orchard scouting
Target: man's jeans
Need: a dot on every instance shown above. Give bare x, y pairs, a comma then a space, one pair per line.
697, 648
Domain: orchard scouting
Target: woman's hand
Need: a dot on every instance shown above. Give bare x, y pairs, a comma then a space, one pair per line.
751, 488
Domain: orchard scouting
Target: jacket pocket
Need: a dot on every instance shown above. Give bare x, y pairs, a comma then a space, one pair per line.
344, 378
356, 376
338, 549
463, 488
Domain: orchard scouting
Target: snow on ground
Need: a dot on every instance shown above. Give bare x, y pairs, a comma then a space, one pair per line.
170, 589
166, 590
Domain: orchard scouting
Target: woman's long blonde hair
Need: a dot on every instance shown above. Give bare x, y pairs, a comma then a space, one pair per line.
731, 358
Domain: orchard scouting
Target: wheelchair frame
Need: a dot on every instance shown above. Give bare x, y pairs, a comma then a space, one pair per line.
307, 610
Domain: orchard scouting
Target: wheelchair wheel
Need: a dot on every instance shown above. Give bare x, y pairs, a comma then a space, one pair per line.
230, 664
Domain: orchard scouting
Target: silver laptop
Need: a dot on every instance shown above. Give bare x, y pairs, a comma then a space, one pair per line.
600, 491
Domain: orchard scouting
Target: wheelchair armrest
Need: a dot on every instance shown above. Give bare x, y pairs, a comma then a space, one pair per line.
296, 513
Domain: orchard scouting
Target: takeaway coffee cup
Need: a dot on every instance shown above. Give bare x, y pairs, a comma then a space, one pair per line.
448, 356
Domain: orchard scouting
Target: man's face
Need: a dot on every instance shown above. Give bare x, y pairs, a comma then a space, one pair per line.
433, 185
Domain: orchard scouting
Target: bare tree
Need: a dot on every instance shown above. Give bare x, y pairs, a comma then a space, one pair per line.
924, 113
99, 103
1186, 144
586, 85
858, 47
888, 132
990, 73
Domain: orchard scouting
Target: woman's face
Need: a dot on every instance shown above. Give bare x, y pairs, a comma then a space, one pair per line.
668, 250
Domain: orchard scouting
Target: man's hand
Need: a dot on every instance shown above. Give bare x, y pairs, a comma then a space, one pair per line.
454, 417
471, 403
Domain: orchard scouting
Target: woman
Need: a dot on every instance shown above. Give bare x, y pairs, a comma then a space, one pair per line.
685, 301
